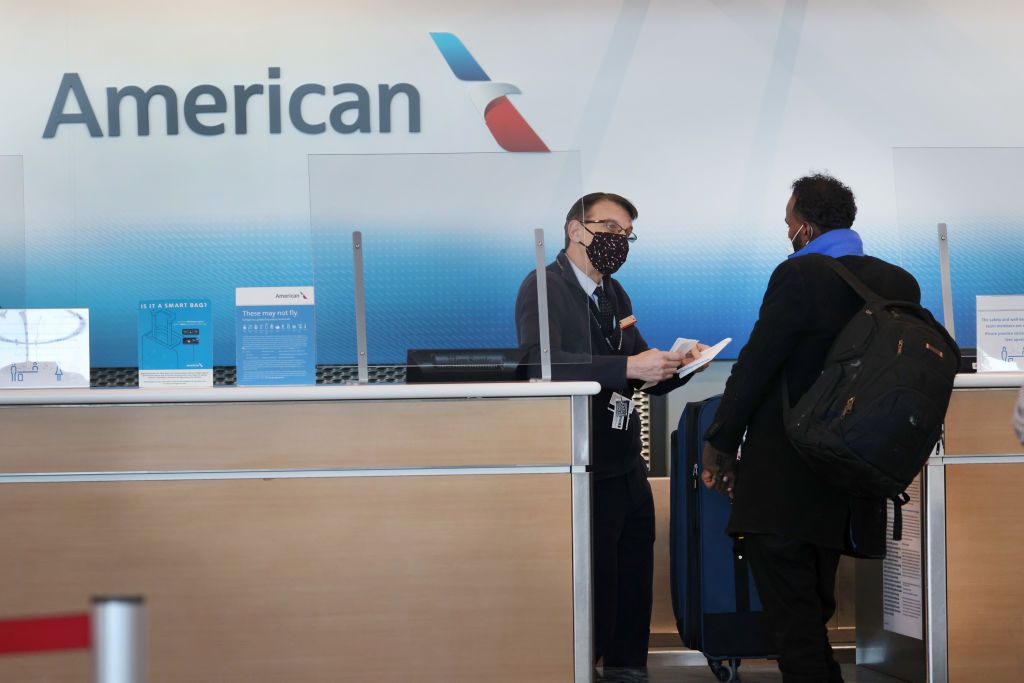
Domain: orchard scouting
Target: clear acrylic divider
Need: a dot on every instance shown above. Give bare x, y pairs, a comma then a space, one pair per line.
162, 242
976, 193
12, 232
448, 252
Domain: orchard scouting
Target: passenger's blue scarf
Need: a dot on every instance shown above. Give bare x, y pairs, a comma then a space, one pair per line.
834, 243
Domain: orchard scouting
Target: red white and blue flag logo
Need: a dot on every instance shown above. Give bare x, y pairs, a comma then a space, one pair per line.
506, 124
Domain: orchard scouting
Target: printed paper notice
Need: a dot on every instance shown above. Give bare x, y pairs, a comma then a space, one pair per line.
275, 335
1000, 333
44, 348
175, 343
902, 577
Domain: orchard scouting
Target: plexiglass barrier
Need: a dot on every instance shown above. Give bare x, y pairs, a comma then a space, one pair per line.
12, 232
976, 193
447, 244
448, 248
108, 240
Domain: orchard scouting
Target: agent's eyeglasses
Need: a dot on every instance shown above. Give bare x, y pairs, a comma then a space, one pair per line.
614, 228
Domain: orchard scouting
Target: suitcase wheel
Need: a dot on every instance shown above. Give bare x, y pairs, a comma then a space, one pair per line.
725, 669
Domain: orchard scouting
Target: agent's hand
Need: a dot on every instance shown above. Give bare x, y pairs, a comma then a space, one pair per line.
653, 365
719, 469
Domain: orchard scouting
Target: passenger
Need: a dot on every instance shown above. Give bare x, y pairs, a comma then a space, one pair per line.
792, 522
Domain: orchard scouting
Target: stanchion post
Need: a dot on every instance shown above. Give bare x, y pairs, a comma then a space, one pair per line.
360, 300
118, 639
947, 286
542, 306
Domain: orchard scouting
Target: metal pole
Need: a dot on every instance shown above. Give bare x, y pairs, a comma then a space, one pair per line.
936, 635
118, 639
360, 295
947, 287
542, 307
582, 562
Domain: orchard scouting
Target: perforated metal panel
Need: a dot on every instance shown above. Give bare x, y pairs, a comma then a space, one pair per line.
225, 375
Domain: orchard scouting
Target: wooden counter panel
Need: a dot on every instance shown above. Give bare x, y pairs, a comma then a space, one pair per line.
663, 619
457, 578
980, 422
985, 557
299, 435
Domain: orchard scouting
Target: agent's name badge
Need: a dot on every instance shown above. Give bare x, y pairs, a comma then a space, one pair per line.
621, 408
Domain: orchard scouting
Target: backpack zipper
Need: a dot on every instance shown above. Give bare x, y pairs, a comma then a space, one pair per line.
848, 408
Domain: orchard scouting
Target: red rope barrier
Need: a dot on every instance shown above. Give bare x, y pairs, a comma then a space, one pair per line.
45, 634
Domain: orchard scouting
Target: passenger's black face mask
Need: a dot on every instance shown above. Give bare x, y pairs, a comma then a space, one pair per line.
607, 252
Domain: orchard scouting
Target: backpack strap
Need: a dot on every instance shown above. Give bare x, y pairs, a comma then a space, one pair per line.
868, 294
856, 284
897, 515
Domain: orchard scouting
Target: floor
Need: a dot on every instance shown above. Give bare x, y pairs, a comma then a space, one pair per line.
754, 672
691, 669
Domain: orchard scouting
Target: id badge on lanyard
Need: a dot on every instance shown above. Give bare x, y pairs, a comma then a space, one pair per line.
621, 409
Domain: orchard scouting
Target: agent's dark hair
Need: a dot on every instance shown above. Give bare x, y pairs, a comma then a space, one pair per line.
824, 201
579, 208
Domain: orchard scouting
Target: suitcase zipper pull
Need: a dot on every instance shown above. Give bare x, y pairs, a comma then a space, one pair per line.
848, 408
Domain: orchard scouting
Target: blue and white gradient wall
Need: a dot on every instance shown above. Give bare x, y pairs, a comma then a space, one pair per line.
702, 112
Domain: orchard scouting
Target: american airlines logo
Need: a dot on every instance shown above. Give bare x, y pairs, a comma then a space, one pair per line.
507, 125
214, 110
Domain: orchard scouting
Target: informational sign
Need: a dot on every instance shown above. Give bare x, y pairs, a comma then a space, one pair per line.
275, 335
1000, 333
44, 348
902, 576
175, 343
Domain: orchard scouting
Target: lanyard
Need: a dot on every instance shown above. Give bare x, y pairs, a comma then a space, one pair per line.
597, 321
607, 340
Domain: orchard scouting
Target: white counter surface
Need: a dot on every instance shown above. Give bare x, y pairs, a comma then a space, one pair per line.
332, 392
989, 380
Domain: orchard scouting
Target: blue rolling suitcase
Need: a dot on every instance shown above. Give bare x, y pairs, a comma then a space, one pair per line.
715, 602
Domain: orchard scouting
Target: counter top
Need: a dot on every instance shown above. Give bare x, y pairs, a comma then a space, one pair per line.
346, 392
989, 380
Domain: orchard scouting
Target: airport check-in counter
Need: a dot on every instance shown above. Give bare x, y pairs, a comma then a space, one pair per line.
970, 545
323, 533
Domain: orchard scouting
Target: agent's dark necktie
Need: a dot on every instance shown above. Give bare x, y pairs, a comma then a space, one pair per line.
606, 314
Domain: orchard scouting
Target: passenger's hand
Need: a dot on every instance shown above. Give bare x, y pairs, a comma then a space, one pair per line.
719, 469
694, 353
653, 365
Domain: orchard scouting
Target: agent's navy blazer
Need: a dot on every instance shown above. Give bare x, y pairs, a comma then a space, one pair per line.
580, 352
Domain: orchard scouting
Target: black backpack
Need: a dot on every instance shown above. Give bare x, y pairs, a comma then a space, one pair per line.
870, 421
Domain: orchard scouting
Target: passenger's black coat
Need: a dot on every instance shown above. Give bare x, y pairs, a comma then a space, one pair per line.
804, 308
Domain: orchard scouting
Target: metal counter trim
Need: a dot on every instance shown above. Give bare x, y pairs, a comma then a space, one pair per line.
349, 392
79, 477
